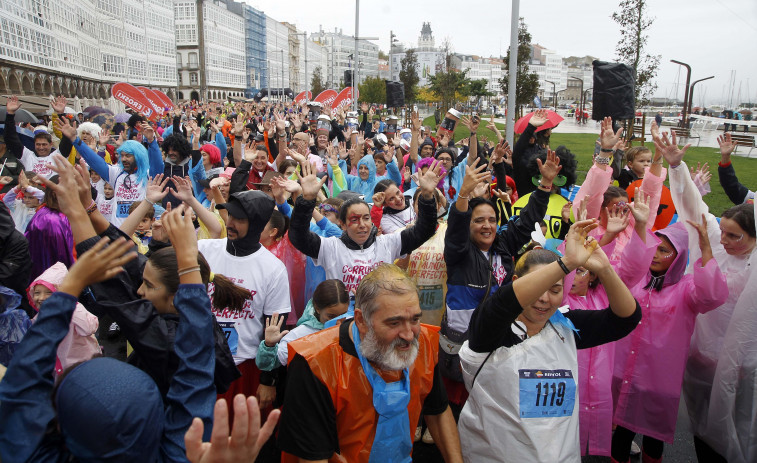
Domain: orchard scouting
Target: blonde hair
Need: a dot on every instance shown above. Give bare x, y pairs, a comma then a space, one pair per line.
635, 151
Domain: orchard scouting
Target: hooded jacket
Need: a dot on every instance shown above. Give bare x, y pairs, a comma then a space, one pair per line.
269, 358
80, 343
107, 411
151, 334
354, 182
13, 324
649, 363
257, 207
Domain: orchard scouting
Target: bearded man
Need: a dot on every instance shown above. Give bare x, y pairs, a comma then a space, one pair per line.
355, 392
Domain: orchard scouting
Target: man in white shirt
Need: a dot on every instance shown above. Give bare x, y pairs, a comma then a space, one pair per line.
242, 259
38, 160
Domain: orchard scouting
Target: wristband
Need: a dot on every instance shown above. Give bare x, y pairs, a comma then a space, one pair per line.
151, 202
92, 207
605, 150
189, 270
545, 187
562, 265
472, 133
601, 160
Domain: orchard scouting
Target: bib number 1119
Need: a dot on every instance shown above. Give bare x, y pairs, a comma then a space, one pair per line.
546, 393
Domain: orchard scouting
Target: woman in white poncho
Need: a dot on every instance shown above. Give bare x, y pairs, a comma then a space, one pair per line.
724, 346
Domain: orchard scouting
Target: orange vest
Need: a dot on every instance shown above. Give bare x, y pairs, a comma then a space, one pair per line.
352, 394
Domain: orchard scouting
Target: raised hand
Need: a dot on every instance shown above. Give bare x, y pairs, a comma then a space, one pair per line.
702, 171
415, 120
704, 239
12, 104
181, 232
296, 156
727, 145
273, 333
23, 182
65, 127
550, 168
597, 261
499, 194
148, 132
444, 140
607, 137
310, 183
280, 195
59, 104
101, 262
331, 154
483, 187
66, 190
378, 199
640, 206
654, 130
474, 174
428, 181
539, 118
617, 219
578, 244
280, 122
501, 151
104, 137
565, 212
83, 183
343, 150
669, 149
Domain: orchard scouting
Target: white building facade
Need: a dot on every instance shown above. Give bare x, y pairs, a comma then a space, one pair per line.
277, 55
80, 49
341, 50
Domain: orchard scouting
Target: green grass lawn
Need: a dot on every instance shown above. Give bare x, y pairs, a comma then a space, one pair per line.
582, 145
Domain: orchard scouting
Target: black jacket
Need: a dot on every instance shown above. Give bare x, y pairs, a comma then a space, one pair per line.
150, 333
736, 192
468, 270
15, 260
523, 151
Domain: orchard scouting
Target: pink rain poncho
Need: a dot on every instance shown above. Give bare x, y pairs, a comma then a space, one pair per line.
595, 184
294, 261
649, 362
724, 344
80, 343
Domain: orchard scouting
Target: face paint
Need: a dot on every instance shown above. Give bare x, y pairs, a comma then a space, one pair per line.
354, 218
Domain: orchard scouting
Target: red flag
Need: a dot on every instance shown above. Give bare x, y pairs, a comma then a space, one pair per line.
154, 100
304, 95
167, 103
326, 97
133, 98
343, 99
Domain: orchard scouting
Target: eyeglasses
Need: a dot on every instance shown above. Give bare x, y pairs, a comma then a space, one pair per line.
560, 180
730, 236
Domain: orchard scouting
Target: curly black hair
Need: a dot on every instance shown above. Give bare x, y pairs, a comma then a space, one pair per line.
177, 143
567, 161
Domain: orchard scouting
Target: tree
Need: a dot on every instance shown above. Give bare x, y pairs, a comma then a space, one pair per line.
316, 82
425, 95
449, 86
631, 48
372, 90
409, 75
526, 82
477, 89
383, 55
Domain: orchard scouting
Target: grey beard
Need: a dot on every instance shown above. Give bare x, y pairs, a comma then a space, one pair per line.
387, 357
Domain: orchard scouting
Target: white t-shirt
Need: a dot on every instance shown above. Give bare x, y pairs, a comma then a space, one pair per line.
392, 223
127, 192
265, 276
105, 206
350, 265
38, 165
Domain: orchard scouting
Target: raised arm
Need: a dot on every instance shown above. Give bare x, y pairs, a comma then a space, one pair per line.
414, 140
93, 159
11, 136
154, 154
412, 238
183, 192
300, 235
154, 194
735, 191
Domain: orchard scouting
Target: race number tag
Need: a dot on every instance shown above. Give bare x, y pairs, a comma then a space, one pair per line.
232, 338
546, 393
122, 209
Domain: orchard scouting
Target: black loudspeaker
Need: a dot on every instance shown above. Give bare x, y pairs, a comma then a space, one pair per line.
395, 94
614, 91
348, 78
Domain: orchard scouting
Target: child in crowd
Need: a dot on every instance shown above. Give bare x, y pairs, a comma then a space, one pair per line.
638, 158
143, 234
105, 203
23, 208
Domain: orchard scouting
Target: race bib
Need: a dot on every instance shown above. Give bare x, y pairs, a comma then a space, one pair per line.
546, 393
232, 339
122, 209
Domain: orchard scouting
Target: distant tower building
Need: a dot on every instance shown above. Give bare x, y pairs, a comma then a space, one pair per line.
426, 40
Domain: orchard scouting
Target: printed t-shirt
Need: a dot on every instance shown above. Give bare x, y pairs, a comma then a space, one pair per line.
38, 165
265, 277
127, 192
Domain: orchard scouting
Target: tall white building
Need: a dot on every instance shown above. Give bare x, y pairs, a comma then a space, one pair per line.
430, 59
489, 69
79, 49
341, 51
548, 65
277, 55
316, 56
222, 51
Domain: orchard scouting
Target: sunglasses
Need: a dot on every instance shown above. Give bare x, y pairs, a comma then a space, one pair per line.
560, 180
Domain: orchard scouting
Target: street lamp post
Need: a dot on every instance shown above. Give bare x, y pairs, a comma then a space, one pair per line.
691, 93
554, 95
685, 93
580, 98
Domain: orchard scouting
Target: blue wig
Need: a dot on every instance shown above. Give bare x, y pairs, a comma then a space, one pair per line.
139, 152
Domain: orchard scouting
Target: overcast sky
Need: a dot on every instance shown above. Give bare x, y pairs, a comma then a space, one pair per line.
714, 36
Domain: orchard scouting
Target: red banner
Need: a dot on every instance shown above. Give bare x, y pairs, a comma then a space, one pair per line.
304, 95
133, 98
344, 98
326, 97
154, 100
167, 103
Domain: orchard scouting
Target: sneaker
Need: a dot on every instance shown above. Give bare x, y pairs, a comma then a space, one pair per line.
635, 449
427, 439
418, 432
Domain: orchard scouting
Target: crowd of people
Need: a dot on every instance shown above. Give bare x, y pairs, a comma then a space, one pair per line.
167, 286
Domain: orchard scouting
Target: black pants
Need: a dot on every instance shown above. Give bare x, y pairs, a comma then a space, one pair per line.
705, 453
621, 444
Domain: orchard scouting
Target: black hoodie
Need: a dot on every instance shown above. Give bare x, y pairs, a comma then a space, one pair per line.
257, 208
15, 260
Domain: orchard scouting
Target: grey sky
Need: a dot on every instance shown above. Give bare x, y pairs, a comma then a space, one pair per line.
713, 36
